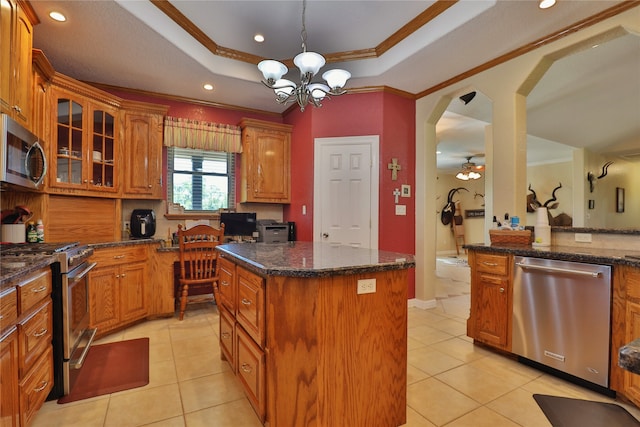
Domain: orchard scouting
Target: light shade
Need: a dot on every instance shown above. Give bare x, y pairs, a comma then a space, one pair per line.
309, 62
318, 90
272, 70
284, 87
336, 78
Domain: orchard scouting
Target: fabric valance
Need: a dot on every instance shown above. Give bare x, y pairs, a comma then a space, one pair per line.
185, 133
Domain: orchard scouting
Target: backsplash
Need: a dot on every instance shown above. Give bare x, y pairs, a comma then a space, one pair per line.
605, 239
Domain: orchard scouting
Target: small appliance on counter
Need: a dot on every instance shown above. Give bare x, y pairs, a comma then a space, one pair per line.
143, 223
271, 231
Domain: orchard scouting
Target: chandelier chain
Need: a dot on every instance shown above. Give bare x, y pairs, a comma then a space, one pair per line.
303, 33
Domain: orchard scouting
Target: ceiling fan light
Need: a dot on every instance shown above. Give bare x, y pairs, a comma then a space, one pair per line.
336, 79
272, 70
546, 4
463, 176
474, 175
309, 62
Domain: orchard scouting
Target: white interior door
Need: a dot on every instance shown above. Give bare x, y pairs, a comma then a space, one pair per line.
346, 197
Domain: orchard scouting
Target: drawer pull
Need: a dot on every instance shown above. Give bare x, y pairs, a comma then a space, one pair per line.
40, 289
226, 335
42, 332
490, 264
118, 256
224, 283
245, 301
42, 387
246, 368
501, 290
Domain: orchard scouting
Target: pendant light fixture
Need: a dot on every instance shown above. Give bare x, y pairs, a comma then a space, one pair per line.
309, 64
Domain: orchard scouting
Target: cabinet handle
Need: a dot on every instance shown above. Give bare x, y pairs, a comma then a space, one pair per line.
224, 283
246, 368
117, 276
17, 108
40, 289
149, 186
501, 290
245, 301
42, 387
226, 335
118, 256
123, 275
490, 264
42, 332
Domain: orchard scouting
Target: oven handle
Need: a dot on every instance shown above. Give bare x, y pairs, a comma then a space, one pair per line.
77, 363
79, 276
558, 269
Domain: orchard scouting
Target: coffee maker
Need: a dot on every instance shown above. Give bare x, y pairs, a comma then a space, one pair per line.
143, 223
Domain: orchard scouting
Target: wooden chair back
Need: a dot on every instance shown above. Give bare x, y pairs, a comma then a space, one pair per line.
198, 259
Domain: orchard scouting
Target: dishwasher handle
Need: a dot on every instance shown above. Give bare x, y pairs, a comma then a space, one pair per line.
559, 269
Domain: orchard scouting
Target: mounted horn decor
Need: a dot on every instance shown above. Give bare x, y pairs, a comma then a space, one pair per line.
592, 178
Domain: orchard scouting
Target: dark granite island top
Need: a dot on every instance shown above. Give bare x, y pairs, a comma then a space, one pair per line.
312, 259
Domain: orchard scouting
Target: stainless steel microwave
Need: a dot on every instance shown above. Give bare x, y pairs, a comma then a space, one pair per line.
22, 159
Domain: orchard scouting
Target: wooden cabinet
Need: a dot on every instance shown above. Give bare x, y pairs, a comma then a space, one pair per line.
26, 353
266, 162
491, 299
163, 301
118, 294
143, 130
9, 400
242, 329
15, 70
625, 327
227, 284
84, 150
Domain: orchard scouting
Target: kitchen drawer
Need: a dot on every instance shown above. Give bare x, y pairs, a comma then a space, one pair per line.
35, 387
250, 304
34, 289
119, 255
227, 284
34, 336
493, 264
228, 338
251, 371
8, 307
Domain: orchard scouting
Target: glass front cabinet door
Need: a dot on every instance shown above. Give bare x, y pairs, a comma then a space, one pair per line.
84, 150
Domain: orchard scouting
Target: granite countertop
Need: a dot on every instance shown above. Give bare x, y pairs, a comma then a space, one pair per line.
593, 255
312, 259
629, 357
125, 241
13, 268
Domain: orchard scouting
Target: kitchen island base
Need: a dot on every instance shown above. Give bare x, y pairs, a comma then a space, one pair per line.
307, 347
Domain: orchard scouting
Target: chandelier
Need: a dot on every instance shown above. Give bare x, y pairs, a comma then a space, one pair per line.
469, 171
309, 64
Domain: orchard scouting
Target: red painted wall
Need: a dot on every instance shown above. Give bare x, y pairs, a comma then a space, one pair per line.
392, 118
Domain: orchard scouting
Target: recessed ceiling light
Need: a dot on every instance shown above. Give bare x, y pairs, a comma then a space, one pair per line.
259, 38
57, 16
546, 4
208, 86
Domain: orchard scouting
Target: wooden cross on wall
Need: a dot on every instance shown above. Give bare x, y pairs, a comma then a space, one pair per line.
394, 167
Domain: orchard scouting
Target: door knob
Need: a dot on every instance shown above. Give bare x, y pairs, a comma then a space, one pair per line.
325, 235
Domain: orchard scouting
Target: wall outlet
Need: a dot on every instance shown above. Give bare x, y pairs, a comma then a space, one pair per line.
125, 226
366, 286
583, 237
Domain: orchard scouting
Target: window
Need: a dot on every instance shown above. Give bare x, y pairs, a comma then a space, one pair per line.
201, 180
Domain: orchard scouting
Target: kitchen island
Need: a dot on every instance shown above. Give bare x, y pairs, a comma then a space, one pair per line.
316, 333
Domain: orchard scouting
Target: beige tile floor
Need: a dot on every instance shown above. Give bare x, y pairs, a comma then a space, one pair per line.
451, 382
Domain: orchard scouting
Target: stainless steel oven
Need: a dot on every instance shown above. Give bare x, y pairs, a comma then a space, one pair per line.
72, 337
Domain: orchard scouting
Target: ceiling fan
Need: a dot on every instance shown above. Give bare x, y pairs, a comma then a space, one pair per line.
470, 170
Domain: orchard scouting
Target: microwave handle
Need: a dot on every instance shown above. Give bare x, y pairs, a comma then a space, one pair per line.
27, 162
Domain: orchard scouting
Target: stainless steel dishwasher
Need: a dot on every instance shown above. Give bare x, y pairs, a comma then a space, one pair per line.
562, 316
